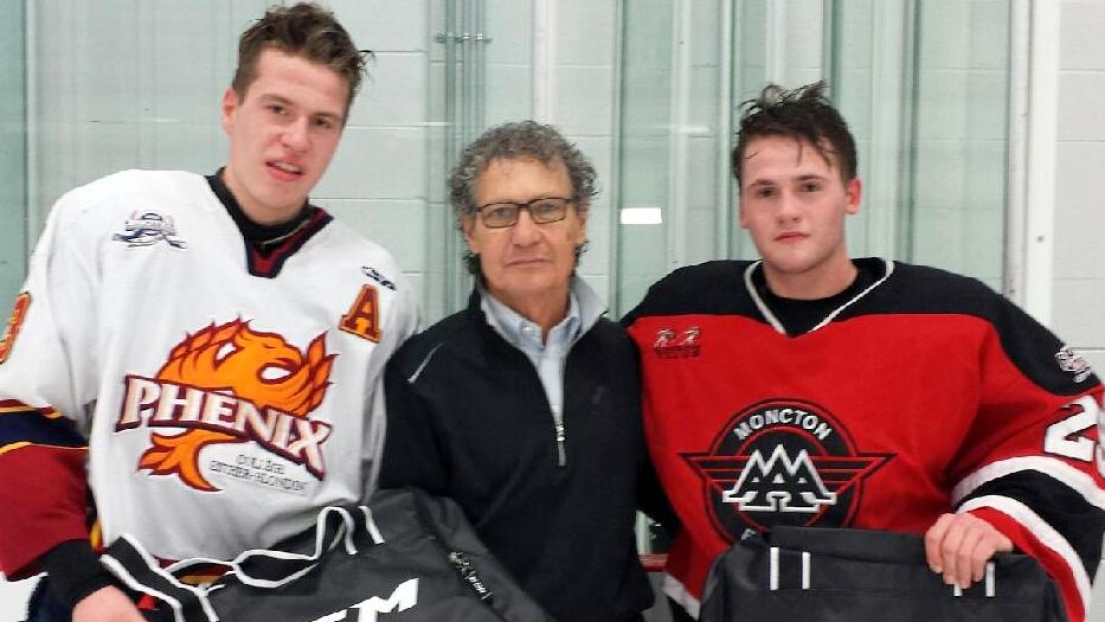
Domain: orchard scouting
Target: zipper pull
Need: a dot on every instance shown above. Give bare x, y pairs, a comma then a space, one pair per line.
560, 444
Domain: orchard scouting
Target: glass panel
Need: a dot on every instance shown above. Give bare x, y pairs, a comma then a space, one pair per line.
481, 72
925, 88
673, 178
961, 137
871, 74
13, 170
646, 136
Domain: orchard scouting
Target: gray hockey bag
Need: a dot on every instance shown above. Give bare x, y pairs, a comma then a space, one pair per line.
809, 574
406, 556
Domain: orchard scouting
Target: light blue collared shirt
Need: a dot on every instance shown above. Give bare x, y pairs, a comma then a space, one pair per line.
548, 358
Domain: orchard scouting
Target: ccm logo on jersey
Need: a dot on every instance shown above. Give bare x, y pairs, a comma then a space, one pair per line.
15, 323
375, 275
230, 384
782, 462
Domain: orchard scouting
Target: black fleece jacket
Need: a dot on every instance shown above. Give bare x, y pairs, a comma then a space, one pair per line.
469, 419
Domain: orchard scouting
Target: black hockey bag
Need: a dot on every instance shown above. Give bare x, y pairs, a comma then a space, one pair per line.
809, 574
406, 556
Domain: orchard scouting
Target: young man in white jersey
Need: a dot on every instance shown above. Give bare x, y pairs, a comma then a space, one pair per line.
196, 361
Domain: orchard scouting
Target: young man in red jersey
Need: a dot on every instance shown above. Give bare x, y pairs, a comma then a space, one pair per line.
810, 388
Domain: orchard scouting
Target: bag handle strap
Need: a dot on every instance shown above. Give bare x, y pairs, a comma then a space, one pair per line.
370, 525
262, 568
335, 526
783, 575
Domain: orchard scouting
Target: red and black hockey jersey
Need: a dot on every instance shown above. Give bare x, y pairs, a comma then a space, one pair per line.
922, 393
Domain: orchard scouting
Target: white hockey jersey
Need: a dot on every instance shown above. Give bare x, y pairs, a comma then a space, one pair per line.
221, 409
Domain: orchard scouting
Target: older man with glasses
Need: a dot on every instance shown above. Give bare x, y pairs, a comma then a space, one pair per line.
524, 407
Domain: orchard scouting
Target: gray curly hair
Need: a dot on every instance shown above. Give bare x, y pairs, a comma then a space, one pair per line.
514, 141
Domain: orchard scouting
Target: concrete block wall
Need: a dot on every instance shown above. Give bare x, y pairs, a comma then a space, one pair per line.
1078, 288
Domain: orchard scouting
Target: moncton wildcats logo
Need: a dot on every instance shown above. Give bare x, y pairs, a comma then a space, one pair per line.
782, 462
780, 484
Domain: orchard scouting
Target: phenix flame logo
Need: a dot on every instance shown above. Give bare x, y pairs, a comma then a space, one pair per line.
231, 384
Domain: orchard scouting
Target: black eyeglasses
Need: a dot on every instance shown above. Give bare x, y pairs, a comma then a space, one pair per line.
542, 211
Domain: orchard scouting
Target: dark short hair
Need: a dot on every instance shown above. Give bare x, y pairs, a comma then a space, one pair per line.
805, 114
516, 141
307, 30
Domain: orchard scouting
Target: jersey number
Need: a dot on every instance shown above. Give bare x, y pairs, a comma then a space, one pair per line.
1066, 438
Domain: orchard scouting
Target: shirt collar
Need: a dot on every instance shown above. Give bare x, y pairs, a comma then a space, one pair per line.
584, 309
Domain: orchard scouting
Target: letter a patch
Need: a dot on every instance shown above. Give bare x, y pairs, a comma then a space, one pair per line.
15, 322
363, 318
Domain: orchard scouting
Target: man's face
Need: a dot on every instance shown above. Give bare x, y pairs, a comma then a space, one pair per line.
526, 262
793, 202
283, 133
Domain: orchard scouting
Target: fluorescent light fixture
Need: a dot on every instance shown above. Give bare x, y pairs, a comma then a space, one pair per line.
641, 216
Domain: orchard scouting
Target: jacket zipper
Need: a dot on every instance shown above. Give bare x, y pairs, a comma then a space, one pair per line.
558, 417
558, 421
